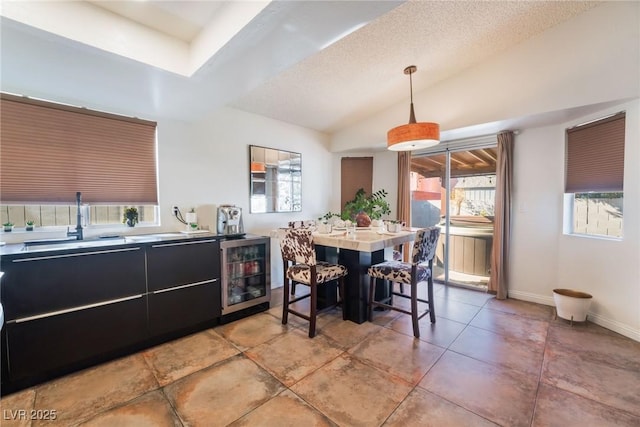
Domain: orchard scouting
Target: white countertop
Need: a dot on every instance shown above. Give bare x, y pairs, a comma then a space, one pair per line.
365, 240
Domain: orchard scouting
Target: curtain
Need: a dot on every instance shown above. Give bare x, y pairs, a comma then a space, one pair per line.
499, 280
404, 193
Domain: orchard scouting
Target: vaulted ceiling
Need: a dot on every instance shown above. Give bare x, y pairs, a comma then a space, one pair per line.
324, 65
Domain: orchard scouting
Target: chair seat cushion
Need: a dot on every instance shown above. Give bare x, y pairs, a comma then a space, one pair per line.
398, 272
325, 272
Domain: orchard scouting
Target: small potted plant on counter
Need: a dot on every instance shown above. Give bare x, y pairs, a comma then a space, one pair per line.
130, 216
8, 226
29, 225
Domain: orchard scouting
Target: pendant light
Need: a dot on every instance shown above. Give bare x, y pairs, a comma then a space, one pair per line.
413, 136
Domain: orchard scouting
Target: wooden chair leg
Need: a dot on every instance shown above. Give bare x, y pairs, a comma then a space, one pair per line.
372, 291
285, 302
313, 310
293, 288
414, 310
342, 298
432, 313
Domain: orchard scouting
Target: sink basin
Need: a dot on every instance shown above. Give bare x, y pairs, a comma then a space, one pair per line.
58, 244
61, 240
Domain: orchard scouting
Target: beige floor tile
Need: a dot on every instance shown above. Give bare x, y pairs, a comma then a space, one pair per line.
522, 308
252, 331
513, 325
16, 408
286, 409
292, 356
185, 356
605, 383
221, 394
503, 350
91, 391
352, 393
346, 333
556, 407
409, 360
442, 333
592, 343
504, 396
385, 317
466, 296
424, 409
454, 310
149, 410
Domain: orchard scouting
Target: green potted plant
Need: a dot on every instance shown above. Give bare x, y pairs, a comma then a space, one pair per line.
130, 216
374, 206
29, 225
8, 226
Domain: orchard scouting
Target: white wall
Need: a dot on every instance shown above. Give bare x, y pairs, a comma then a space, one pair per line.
205, 164
543, 258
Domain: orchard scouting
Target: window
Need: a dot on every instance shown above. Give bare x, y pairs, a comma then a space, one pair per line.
594, 171
51, 151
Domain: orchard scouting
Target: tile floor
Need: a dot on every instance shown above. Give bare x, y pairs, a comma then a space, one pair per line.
485, 362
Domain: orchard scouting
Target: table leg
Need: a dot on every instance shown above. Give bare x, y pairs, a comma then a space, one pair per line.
357, 281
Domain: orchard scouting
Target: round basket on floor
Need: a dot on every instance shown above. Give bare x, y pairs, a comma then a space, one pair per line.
571, 304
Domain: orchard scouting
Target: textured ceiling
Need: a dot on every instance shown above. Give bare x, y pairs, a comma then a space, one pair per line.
323, 65
363, 73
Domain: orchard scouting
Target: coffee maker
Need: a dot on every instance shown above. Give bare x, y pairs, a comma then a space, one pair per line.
230, 220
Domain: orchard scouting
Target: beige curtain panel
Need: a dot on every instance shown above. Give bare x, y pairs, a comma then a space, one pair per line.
404, 194
50, 151
499, 280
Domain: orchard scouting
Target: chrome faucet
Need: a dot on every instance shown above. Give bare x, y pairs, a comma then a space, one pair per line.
78, 232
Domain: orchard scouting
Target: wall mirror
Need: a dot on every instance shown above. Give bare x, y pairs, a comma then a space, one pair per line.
275, 180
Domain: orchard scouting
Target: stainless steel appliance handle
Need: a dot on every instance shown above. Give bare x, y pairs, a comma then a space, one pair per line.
76, 254
188, 285
74, 309
162, 245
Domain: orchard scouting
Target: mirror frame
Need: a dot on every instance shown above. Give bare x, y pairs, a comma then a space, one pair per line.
270, 171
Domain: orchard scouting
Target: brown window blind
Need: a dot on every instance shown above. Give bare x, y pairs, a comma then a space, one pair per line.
595, 156
49, 151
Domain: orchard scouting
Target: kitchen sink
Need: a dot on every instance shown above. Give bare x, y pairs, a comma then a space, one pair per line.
60, 244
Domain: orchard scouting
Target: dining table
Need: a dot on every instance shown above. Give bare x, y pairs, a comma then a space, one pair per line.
357, 251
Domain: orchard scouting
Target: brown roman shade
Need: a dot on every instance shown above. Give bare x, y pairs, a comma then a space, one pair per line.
595, 156
49, 151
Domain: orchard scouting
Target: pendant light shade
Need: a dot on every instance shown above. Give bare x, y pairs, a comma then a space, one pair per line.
413, 136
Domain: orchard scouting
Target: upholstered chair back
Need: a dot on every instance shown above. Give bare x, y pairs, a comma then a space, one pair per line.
309, 223
296, 244
424, 245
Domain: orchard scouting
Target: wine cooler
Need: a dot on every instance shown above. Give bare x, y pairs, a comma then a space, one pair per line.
246, 280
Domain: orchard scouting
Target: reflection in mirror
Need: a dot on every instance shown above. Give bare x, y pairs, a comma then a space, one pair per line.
275, 180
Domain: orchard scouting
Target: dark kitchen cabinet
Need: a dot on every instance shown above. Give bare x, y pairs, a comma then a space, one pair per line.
184, 285
48, 282
67, 308
43, 345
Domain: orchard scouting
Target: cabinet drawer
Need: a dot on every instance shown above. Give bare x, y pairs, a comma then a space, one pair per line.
184, 306
181, 263
41, 284
56, 341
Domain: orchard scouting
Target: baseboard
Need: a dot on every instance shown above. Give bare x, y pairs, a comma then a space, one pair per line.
605, 322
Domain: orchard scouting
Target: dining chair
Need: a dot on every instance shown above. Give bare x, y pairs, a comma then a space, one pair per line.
307, 223
300, 266
419, 270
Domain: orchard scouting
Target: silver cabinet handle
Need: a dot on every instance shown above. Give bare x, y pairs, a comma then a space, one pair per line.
163, 245
188, 285
75, 254
74, 309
